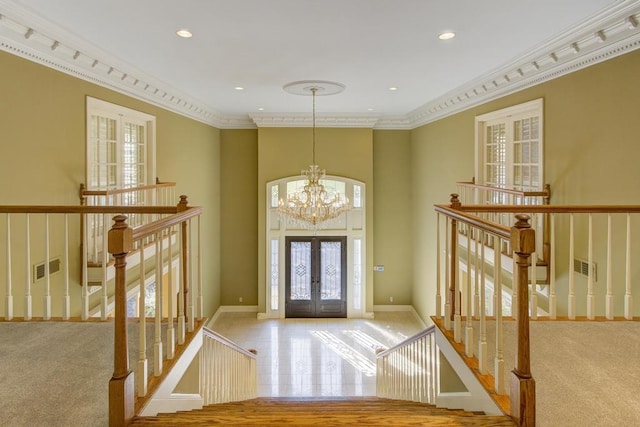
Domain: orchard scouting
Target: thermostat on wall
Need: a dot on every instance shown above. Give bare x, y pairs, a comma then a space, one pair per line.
378, 268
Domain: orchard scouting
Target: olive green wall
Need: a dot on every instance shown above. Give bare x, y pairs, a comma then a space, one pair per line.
239, 209
285, 152
392, 217
42, 134
591, 151
391, 191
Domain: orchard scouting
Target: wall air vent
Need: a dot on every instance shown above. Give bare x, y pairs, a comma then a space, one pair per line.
39, 270
581, 266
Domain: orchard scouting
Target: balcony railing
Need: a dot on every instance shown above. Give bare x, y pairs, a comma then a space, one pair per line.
408, 371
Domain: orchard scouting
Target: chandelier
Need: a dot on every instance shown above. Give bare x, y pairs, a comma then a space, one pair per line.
313, 205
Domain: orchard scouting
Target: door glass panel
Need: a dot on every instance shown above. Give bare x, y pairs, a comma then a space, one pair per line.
357, 273
275, 274
300, 270
330, 270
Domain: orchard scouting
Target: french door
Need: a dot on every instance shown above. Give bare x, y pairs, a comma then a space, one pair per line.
316, 277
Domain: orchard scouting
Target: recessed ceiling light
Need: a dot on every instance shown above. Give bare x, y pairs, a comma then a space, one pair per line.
392, 88
184, 33
447, 35
260, 109
238, 88
369, 109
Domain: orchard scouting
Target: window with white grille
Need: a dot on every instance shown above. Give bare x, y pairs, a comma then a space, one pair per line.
509, 147
120, 148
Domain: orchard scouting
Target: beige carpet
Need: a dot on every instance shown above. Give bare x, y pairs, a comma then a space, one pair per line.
55, 374
587, 373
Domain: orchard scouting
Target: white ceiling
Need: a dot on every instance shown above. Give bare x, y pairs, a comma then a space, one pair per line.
368, 45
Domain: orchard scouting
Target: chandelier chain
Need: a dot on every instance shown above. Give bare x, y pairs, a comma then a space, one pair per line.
313, 94
313, 205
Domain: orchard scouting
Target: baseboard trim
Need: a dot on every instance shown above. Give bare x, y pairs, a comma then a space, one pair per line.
408, 308
392, 307
231, 309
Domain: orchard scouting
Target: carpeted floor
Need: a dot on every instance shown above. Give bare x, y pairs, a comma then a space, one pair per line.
55, 374
587, 373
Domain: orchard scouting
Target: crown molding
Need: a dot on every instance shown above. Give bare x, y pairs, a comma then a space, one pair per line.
612, 32
322, 120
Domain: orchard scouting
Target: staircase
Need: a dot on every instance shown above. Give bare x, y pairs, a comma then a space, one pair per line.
369, 411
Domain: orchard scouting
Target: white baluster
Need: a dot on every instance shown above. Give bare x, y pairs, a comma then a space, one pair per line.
499, 359
200, 296
533, 310
171, 299
46, 300
190, 287
572, 279
457, 318
66, 299
8, 308
95, 227
438, 272
447, 294
181, 307
27, 286
476, 277
157, 345
482, 345
609, 299
84, 261
469, 329
552, 269
142, 371
104, 300
591, 302
628, 298
514, 292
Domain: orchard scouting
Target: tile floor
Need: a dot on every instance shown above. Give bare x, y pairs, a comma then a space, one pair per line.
317, 357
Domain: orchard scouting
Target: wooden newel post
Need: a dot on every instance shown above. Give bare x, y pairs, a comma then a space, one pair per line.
183, 206
454, 204
121, 386
523, 386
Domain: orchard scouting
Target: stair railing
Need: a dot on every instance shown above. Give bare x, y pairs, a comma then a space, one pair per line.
590, 265
157, 275
229, 372
97, 226
408, 371
459, 296
470, 193
40, 257
173, 309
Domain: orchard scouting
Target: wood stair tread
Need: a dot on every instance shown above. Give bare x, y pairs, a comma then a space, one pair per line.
324, 412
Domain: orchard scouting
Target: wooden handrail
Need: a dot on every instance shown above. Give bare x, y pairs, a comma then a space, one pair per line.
549, 208
430, 330
164, 223
226, 341
85, 193
80, 209
522, 193
488, 226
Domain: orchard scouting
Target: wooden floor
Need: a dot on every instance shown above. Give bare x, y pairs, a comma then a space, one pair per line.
366, 411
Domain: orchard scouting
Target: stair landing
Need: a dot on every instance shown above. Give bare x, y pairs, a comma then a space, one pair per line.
324, 412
